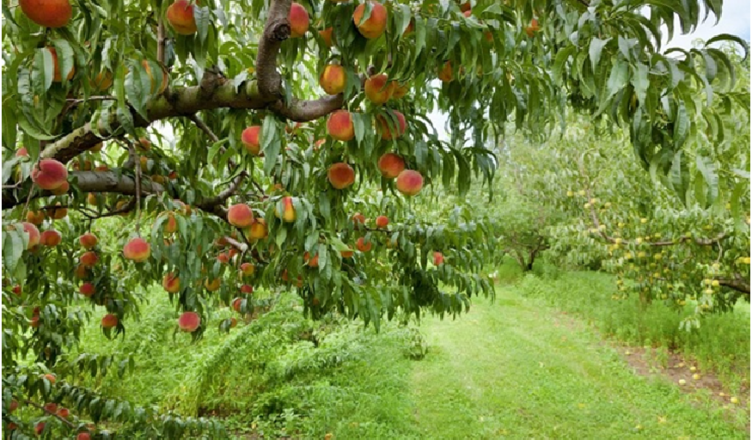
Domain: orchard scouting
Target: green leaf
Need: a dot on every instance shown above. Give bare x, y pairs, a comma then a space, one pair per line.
596, 47
271, 144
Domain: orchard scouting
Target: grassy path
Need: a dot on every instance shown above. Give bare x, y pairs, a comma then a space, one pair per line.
516, 369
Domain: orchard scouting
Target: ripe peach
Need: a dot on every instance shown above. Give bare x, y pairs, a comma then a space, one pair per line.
232, 253
237, 303
22, 152
88, 240
438, 258
50, 407
13, 405
391, 130
468, 13
100, 83
171, 283
189, 322
89, 259
223, 258
464, 7
63, 412
363, 245
379, 89
180, 16
533, 28
240, 215
17, 290
375, 25
333, 79
399, 90
382, 222
233, 322
57, 76
246, 288
171, 225
341, 175
87, 289
258, 230
311, 262
50, 238
33, 233
247, 269
251, 139
49, 174
213, 285
289, 210
35, 217
347, 254
51, 378
34, 321
81, 272
39, 428
109, 320
83, 436
358, 219
62, 189
137, 249
327, 36
91, 199
318, 144
47, 13
446, 74
56, 213
298, 20
340, 126
391, 165
409, 182
165, 78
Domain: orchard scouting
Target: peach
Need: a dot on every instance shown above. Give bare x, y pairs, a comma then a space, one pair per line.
251, 139
50, 407
50, 238
89, 259
391, 165
49, 174
171, 225
464, 7
63, 412
51, 378
180, 16
223, 258
213, 285
258, 230
409, 182
233, 322
438, 258
137, 249
341, 175
13, 405
237, 303
327, 36
173, 175
91, 199
34, 321
83, 436
33, 233
232, 253
533, 28
382, 222
104, 167
17, 290
347, 254
189, 322
375, 25
100, 83
311, 262
57, 76
81, 272
247, 269
165, 78
396, 130
87, 289
409, 29
400, 90
289, 210
109, 320
318, 144
35, 217
240, 215
446, 74
22, 152
88, 240
379, 89
299, 20
62, 189
363, 245
47, 13
358, 219
171, 283
56, 213
340, 126
246, 288
39, 428
468, 13
333, 79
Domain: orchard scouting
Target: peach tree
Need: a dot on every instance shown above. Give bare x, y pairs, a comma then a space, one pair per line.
277, 145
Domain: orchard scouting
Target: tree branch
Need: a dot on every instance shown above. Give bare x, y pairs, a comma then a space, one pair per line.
210, 203
738, 283
276, 30
62, 419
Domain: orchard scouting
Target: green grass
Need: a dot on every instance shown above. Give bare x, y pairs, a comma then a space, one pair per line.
513, 368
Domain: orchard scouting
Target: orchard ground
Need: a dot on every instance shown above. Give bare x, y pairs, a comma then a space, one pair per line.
551, 357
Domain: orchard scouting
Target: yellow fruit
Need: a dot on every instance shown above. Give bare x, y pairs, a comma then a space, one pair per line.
582, 192
570, 194
643, 220
715, 283
587, 206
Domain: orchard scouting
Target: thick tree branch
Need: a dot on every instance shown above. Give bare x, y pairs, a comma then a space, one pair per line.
301, 110
276, 31
738, 283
